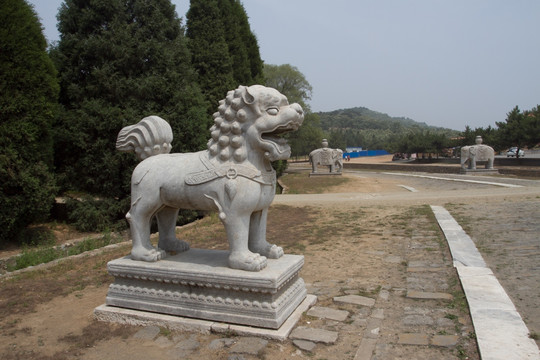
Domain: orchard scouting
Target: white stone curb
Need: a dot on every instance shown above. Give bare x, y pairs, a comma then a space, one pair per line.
411, 189
500, 331
457, 180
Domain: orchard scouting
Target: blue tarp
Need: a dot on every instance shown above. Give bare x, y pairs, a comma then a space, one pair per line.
356, 154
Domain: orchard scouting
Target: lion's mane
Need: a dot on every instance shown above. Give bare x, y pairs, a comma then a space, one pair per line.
227, 134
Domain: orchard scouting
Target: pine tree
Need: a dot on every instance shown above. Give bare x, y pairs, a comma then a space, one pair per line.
243, 47
28, 95
249, 41
119, 61
209, 49
225, 51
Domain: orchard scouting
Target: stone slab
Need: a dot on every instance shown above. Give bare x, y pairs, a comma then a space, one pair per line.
147, 333
445, 340
373, 328
417, 320
425, 295
424, 269
143, 318
355, 300
314, 335
304, 345
328, 313
249, 345
378, 314
199, 284
365, 350
413, 339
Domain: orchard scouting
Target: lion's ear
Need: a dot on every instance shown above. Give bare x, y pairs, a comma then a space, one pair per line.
247, 97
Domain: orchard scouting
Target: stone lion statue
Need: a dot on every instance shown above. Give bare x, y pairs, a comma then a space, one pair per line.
233, 176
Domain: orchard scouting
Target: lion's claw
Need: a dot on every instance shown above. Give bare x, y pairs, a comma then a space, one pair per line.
247, 261
144, 254
270, 251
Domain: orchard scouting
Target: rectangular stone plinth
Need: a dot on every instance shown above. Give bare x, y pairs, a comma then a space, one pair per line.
199, 284
479, 171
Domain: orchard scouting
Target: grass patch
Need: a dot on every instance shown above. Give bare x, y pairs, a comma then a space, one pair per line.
22, 292
41, 255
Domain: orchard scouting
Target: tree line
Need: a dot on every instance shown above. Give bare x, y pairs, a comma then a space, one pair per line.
362, 127
117, 61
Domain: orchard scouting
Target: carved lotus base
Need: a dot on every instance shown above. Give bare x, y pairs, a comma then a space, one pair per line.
199, 284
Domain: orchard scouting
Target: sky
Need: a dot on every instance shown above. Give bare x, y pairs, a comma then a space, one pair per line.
447, 63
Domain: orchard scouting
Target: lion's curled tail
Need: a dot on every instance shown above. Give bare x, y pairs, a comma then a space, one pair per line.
150, 136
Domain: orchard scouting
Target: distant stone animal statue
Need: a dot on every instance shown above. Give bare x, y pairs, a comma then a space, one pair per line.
233, 176
479, 152
333, 158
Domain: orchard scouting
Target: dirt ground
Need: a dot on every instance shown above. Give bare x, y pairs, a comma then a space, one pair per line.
350, 244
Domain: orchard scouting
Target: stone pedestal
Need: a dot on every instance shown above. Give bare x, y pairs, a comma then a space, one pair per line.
479, 171
199, 284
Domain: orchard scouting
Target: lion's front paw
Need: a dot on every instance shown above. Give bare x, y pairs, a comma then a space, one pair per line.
150, 255
247, 261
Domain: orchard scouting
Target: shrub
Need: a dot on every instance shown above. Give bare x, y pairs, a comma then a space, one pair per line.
96, 215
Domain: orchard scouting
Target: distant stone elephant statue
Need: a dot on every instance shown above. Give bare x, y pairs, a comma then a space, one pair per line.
327, 157
471, 154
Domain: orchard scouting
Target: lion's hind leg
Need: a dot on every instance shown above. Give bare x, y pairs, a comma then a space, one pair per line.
166, 219
139, 217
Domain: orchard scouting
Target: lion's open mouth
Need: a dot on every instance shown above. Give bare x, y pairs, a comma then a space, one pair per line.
276, 135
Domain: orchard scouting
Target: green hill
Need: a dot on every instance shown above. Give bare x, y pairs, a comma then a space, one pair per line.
363, 118
363, 127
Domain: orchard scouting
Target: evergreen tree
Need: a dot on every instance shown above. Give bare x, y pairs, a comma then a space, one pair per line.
119, 61
225, 51
521, 129
532, 122
247, 64
210, 51
28, 95
513, 132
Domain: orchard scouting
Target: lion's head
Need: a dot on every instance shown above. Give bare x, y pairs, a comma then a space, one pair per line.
251, 119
